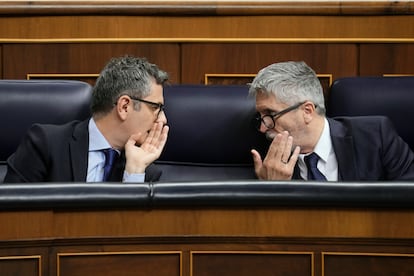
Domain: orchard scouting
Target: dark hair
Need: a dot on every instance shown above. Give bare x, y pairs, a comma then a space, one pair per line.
126, 75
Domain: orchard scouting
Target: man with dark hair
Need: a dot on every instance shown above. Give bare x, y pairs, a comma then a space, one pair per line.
126, 133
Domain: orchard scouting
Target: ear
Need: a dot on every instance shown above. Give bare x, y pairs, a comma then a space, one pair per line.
309, 111
123, 107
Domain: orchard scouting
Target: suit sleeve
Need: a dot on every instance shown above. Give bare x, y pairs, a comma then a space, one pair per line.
30, 162
398, 158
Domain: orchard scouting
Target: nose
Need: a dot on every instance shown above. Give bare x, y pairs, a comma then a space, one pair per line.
162, 117
262, 128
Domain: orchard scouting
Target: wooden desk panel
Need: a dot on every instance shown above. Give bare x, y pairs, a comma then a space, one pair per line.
258, 222
119, 263
208, 241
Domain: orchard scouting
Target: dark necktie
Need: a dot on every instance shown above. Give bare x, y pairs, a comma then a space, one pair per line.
313, 173
110, 156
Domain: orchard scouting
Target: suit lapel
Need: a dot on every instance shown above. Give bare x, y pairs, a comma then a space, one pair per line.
343, 145
296, 173
79, 147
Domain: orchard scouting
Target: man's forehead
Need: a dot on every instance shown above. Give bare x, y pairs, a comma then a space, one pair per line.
266, 98
268, 103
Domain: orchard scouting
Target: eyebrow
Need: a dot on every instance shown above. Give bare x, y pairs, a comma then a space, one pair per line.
269, 111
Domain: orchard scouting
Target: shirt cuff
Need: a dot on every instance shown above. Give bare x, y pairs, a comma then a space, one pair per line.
133, 177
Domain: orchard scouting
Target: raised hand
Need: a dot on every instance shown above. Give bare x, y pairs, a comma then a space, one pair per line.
138, 158
279, 162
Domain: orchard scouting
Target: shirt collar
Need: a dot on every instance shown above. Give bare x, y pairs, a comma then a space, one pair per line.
324, 145
96, 139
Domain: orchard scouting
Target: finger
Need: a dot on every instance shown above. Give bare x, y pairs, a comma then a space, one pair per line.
281, 153
163, 137
257, 161
154, 134
151, 134
157, 142
294, 157
134, 139
274, 147
277, 148
157, 131
287, 151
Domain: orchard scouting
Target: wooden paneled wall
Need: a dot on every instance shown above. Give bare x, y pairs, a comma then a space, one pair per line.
191, 62
191, 39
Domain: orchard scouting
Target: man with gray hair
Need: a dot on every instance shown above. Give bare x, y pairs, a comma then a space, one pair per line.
126, 133
308, 145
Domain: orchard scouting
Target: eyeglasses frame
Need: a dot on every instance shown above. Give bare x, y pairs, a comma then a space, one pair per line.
276, 116
159, 106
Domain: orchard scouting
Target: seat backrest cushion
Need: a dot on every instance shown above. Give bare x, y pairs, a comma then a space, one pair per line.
211, 133
389, 96
24, 102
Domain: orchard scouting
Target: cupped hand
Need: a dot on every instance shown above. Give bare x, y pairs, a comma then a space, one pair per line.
138, 158
279, 162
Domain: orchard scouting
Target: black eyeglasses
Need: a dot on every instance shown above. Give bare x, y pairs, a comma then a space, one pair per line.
269, 120
156, 106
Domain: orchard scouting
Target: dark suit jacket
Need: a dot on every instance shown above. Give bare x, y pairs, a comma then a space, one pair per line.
59, 153
369, 148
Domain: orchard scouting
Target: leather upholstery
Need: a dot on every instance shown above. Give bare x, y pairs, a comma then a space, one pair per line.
61, 195
283, 193
210, 139
211, 134
24, 102
215, 193
389, 96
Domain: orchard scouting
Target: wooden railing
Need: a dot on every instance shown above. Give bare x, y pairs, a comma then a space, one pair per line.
208, 7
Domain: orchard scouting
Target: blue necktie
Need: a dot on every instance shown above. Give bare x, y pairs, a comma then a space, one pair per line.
110, 156
313, 173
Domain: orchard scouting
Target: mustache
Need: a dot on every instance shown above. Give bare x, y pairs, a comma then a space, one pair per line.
270, 135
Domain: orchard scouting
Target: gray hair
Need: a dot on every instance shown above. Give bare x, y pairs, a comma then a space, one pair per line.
124, 76
290, 82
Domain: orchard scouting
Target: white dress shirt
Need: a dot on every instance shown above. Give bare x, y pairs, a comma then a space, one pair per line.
327, 164
96, 158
